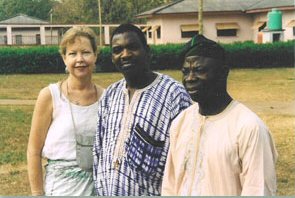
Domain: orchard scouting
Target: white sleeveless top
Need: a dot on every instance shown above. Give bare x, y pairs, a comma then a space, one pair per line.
60, 142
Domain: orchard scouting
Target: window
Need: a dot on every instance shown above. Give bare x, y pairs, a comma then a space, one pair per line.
189, 34
262, 27
149, 34
146, 31
227, 29
38, 39
5, 40
259, 25
189, 30
276, 37
159, 33
156, 29
294, 31
18, 39
228, 32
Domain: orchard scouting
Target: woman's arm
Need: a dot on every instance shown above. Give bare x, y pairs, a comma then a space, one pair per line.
41, 120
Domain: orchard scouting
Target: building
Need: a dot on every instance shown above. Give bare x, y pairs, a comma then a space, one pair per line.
26, 30
224, 21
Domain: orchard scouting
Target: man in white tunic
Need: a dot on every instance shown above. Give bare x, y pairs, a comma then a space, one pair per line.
218, 146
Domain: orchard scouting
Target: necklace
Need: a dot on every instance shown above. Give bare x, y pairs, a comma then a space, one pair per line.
77, 102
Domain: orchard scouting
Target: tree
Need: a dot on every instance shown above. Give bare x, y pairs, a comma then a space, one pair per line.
76, 11
79, 11
113, 11
34, 8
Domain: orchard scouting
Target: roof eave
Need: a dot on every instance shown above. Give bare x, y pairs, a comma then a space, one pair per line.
188, 13
24, 23
268, 9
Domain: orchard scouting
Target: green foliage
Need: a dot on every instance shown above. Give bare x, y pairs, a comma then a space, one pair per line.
166, 56
247, 54
79, 11
123, 11
41, 59
113, 11
34, 8
104, 61
46, 59
239, 55
75, 11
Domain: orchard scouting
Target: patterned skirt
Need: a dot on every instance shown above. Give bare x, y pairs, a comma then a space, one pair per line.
65, 178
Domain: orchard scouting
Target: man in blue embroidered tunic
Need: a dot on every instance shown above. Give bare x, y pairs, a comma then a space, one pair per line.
134, 117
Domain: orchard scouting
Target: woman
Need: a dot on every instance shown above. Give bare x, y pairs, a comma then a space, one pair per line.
64, 122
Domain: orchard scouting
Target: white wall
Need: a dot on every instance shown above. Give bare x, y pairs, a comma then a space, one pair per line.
171, 32
244, 33
287, 17
170, 27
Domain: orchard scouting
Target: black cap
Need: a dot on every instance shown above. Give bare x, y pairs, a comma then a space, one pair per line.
199, 45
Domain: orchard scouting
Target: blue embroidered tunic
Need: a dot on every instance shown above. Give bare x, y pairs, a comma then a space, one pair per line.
132, 137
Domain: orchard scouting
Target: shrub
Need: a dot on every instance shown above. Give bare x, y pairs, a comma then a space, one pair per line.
41, 59
46, 59
249, 54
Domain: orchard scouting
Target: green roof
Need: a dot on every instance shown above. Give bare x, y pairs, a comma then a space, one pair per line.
23, 19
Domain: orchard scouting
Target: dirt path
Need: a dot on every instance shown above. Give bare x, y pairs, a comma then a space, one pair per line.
16, 102
9, 168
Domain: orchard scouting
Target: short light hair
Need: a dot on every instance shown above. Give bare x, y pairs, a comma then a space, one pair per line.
76, 31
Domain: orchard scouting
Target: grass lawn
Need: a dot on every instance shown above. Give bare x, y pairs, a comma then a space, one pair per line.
264, 90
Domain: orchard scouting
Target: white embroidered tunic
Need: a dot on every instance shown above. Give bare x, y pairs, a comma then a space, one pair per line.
228, 154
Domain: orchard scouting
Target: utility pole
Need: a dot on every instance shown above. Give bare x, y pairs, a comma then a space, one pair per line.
200, 17
100, 25
51, 12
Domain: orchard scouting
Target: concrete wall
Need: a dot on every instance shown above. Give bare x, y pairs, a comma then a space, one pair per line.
248, 29
171, 27
287, 17
244, 33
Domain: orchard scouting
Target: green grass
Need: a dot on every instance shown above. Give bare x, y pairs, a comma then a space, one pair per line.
14, 126
260, 88
270, 84
28, 86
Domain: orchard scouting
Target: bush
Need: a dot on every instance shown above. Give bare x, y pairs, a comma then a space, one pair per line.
41, 59
46, 59
249, 54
